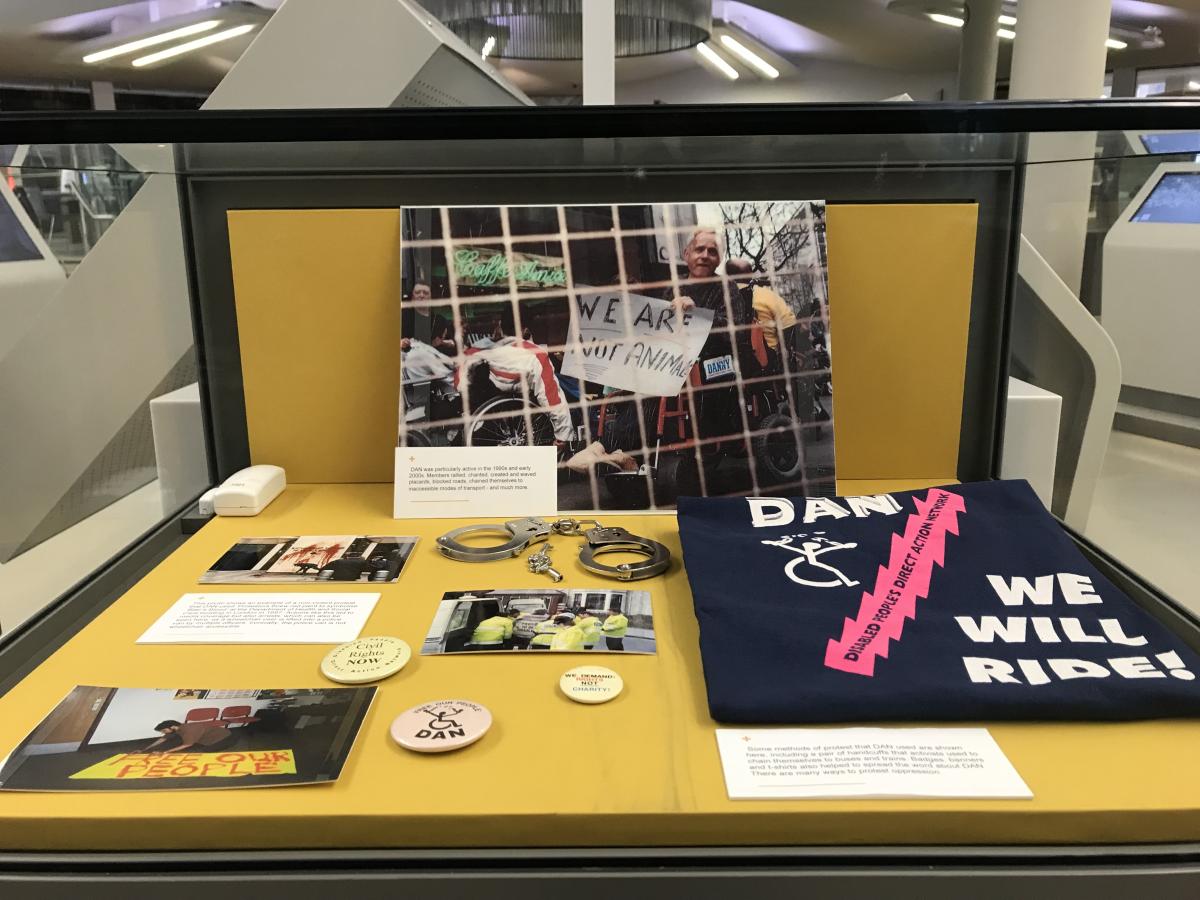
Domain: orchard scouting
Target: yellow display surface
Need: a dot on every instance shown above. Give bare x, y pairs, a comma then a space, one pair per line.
641, 770
318, 308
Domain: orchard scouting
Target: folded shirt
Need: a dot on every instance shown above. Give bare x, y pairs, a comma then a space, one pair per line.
966, 602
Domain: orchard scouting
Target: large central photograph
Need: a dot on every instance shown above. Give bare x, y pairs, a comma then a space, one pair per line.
664, 350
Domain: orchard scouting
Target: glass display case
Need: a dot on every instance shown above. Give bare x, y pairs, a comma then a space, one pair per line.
235, 298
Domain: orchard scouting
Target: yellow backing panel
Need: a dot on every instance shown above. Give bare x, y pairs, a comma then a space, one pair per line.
318, 296
899, 305
642, 770
318, 311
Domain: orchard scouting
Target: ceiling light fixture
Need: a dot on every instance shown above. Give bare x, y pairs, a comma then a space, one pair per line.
943, 19
488, 46
189, 46
1194, 85
715, 58
1150, 38
552, 29
153, 40
750, 56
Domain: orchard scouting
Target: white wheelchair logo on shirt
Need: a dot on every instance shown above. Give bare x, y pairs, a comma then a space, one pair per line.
810, 552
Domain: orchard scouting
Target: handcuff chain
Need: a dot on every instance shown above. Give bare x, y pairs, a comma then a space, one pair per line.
598, 541
572, 527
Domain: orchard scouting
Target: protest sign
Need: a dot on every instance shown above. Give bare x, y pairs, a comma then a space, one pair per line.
123, 766
633, 342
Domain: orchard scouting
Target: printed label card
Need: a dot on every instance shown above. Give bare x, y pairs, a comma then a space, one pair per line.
475, 481
262, 618
802, 763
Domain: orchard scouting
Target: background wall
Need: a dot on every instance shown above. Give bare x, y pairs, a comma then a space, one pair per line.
133, 713
287, 264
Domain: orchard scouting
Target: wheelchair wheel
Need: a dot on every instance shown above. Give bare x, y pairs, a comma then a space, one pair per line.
501, 422
416, 437
776, 449
675, 476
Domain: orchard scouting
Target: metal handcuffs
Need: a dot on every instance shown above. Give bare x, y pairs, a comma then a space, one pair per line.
600, 539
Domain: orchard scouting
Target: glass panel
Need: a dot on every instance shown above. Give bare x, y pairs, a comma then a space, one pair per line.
116, 260
1104, 310
632, 155
103, 435
73, 192
1081, 185
1077, 187
1176, 81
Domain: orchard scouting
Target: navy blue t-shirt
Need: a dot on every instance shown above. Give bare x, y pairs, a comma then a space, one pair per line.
964, 602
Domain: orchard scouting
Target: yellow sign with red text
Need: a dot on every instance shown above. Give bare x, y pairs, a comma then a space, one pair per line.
126, 766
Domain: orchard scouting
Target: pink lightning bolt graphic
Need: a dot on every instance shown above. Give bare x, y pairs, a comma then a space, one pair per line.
898, 585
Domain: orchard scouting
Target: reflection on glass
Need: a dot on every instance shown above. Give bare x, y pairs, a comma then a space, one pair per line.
1171, 142
15, 244
1175, 199
1174, 81
72, 192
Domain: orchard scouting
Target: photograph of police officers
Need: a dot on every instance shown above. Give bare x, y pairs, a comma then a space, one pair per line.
580, 620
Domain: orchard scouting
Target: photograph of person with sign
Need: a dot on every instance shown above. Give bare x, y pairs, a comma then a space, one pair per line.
664, 350
100, 739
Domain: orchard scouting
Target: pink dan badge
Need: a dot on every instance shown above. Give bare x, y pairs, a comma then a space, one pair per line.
441, 725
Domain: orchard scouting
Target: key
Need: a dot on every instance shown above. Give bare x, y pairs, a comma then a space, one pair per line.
539, 564
543, 567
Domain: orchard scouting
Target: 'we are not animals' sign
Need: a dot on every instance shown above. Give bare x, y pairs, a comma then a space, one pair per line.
633, 342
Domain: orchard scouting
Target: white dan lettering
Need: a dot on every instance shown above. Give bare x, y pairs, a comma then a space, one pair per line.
768, 512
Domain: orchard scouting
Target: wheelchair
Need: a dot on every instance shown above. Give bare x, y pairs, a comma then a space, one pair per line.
433, 416
680, 447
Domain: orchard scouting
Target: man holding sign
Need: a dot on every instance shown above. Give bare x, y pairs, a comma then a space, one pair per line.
649, 346
727, 349
646, 345
704, 290
630, 342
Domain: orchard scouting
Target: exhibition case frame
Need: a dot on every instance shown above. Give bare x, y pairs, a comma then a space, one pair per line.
364, 159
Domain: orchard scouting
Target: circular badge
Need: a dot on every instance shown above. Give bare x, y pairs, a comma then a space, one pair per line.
367, 659
441, 725
591, 684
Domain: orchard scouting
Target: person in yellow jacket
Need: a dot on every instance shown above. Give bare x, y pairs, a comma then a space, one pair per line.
493, 633
615, 625
569, 638
591, 628
770, 310
543, 634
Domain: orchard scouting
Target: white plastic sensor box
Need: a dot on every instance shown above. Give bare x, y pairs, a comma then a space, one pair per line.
245, 493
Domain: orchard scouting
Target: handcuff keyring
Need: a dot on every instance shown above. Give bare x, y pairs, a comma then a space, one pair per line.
599, 540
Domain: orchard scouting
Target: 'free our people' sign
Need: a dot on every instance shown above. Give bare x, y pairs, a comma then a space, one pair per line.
636, 343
